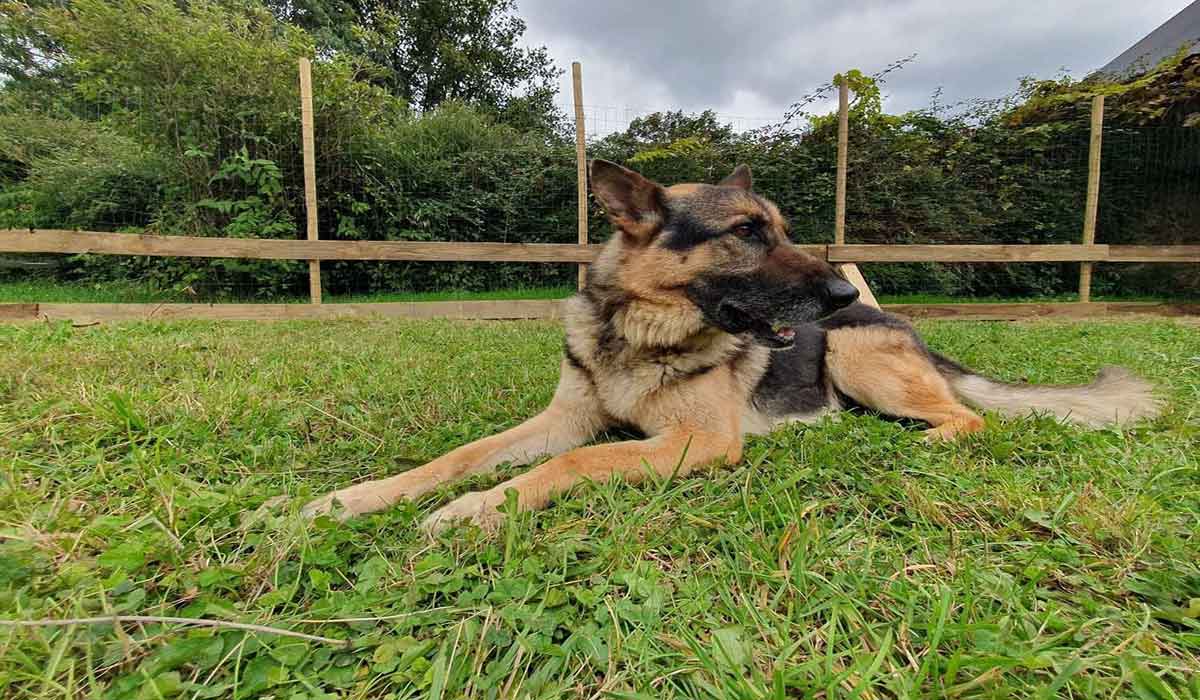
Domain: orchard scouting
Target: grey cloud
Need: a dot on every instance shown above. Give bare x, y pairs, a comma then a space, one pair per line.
761, 56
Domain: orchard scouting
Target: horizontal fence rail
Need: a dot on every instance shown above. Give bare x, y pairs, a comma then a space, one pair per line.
845, 257
58, 241
861, 253
1000, 252
100, 313
546, 309
79, 242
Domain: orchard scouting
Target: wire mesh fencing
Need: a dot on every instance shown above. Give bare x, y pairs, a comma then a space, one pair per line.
1149, 195
119, 163
925, 183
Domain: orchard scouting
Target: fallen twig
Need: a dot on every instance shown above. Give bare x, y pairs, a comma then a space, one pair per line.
348, 424
375, 618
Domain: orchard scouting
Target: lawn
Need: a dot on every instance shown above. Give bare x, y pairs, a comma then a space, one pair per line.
117, 292
141, 465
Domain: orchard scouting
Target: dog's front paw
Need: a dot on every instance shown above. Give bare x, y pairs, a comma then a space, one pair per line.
370, 496
480, 508
346, 503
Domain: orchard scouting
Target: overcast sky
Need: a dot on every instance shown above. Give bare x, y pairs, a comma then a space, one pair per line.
753, 59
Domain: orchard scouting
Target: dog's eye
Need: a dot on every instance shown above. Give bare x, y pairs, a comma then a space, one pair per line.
746, 230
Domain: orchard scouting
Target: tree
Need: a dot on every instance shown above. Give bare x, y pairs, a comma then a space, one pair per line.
436, 51
665, 127
331, 23
27, 53
670, 135
467, 50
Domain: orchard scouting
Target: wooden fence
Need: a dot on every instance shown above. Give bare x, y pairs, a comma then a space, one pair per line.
60, 241
315, 250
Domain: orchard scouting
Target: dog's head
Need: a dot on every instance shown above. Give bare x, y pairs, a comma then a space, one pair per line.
722, 248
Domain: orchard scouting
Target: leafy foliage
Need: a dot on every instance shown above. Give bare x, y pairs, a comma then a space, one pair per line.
1166, 95
197, 132
262, 212
429, 52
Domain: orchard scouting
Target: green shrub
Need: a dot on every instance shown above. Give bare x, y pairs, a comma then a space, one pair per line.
183, 118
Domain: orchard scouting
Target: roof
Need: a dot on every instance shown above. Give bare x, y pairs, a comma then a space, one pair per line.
1181, 30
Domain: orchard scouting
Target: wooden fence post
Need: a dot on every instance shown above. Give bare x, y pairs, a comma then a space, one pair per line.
839, 221
1093, 195
581, 163
310, 174
848, 270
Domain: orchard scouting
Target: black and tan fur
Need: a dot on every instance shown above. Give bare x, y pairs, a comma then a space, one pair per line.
700, 323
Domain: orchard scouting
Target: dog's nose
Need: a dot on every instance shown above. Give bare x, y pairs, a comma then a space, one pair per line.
840, 293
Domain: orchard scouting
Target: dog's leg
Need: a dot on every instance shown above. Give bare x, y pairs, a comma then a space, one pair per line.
675, 452
572, 418
884, 369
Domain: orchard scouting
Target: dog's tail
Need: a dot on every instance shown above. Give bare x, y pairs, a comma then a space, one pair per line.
1115, 397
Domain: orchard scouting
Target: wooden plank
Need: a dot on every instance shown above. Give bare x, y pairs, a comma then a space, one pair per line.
1092, 204
1150, 308
310, 174
476, 310
839, 216
58, 241
998, 312
581, 169
543, 309
1031, 311
1085, 282
966, 253
852, 274
1154, 253
18, 312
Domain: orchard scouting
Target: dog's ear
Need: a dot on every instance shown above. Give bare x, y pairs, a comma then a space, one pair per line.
633, 203
740, 177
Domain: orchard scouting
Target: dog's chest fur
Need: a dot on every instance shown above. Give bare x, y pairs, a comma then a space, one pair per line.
653, 366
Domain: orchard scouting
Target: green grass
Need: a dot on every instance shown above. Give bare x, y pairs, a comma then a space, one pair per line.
35, 290
13, 291
847, 559
455, 295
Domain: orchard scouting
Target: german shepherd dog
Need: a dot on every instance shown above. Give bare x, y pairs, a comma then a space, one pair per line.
700, 323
